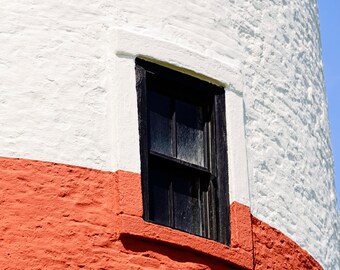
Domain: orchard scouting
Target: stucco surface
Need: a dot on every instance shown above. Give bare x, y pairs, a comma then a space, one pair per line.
53, 80
57, 83
57, 216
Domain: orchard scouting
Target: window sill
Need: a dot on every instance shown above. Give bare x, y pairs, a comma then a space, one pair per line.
131, 224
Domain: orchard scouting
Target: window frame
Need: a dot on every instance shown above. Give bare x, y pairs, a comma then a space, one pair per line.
219, 129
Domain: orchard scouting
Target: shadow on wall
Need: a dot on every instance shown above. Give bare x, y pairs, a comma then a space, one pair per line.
165, 253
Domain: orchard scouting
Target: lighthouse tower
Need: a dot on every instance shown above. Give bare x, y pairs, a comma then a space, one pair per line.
164, 135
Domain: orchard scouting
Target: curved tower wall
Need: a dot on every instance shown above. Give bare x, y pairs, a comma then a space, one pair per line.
68, 95
288, 136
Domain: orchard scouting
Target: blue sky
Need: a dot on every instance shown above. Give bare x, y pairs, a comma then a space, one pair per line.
329, 12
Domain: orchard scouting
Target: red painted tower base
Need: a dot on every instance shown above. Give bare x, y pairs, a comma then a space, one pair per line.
56, 216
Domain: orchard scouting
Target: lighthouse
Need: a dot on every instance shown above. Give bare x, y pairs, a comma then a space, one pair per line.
165, 135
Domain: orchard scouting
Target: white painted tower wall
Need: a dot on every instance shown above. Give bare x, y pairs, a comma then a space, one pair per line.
67, 94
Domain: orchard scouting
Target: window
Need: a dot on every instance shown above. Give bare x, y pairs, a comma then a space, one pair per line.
183, 152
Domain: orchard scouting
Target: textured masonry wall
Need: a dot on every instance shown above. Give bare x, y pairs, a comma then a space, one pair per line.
290, 160
56, 81
274, 250
57, 216
54, 98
